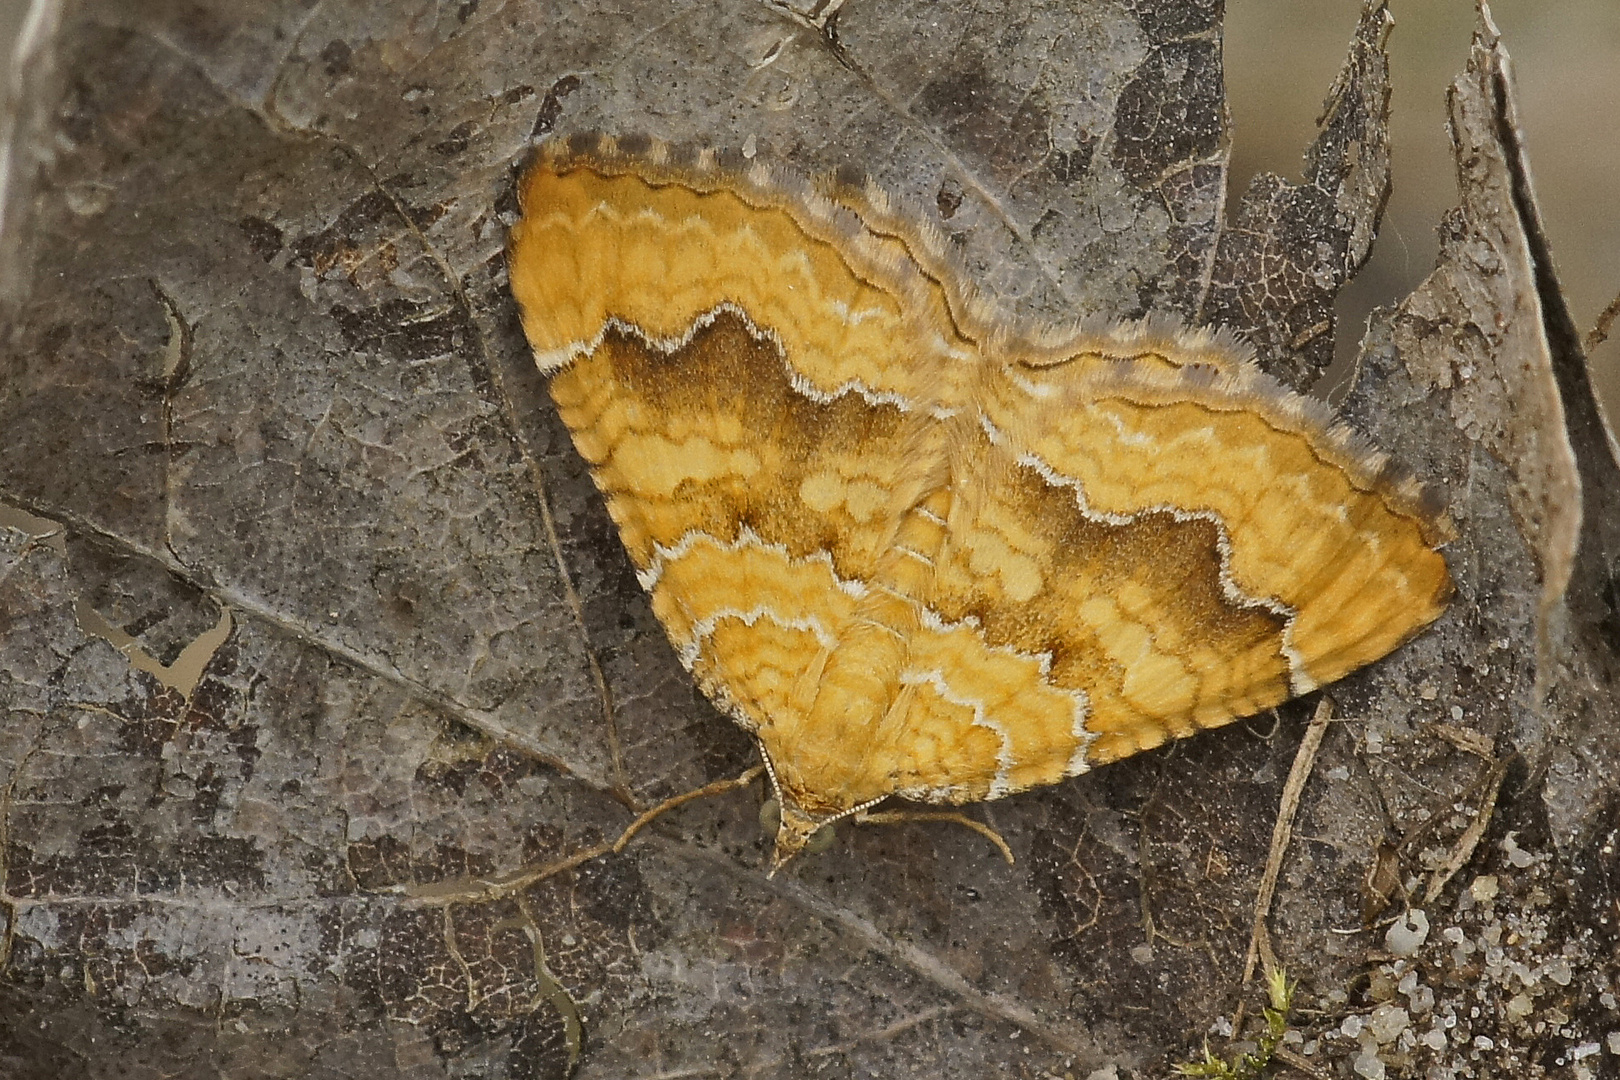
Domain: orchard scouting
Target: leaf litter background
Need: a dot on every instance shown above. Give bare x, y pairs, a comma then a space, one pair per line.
311, 616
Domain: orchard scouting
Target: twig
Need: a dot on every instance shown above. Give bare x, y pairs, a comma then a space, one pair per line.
1467, 740
1463, 850
1282, 831
1304, 1065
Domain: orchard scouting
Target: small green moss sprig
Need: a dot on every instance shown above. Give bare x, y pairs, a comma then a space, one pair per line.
1280, 998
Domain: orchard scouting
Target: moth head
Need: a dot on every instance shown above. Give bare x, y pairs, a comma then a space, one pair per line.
797, 831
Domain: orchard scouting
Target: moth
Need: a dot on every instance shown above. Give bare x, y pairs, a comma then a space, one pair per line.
916, 549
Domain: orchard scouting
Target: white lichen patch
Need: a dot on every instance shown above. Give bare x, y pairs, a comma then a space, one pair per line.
1495, 986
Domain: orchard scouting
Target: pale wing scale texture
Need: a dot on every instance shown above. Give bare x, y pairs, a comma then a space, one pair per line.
920, 550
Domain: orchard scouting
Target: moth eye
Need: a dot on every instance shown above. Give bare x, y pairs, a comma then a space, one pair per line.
770, 820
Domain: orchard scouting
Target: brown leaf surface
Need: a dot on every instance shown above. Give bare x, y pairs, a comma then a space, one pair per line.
264, 362
1291, 247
